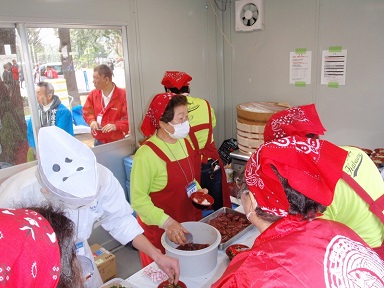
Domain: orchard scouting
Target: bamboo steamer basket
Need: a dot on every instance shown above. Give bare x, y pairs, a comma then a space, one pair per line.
251, 120
250, 136
245, 149
252, 128
259, 111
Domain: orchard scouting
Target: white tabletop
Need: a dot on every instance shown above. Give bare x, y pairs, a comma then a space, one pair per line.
139, 279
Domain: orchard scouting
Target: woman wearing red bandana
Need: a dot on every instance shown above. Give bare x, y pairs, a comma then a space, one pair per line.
37, 249
292, 180
165, 161
359, 194
202, 121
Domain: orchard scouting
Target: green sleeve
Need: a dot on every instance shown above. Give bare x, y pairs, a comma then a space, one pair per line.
148, 175
348, 207
213, 118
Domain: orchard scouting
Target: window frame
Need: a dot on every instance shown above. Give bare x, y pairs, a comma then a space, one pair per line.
22, 43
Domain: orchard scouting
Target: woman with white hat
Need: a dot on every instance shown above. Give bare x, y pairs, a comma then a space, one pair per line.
68, 174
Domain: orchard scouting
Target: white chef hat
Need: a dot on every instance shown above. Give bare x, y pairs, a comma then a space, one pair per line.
67, 167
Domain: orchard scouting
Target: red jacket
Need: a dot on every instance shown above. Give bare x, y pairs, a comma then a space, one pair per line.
115, 113
318, 253
51, 74
15, 72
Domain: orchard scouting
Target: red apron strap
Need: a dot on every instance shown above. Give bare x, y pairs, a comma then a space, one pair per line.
200, 127
376, 207
210, 132
157, 150
190, 150
193, 138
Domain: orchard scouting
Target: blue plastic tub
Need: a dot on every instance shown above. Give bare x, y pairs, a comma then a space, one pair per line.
128, 190
128, 162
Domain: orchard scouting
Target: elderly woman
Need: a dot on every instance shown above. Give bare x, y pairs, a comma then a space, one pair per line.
163, 177
359, 194
293, 180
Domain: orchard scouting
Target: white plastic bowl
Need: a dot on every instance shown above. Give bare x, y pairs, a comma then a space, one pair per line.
199, 262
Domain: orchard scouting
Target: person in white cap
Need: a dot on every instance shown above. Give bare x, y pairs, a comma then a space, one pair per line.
68, 174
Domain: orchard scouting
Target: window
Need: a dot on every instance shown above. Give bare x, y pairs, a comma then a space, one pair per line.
72, 53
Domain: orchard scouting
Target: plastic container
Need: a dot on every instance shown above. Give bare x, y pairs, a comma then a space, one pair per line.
235, 249
201, 200
118, 282
166, 284
199, 262
128, 190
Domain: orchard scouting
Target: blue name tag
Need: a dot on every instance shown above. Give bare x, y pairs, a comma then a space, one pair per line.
191, 187
80, 250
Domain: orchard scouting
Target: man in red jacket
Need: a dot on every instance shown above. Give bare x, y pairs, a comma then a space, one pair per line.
105, 110
51, 73
15, 70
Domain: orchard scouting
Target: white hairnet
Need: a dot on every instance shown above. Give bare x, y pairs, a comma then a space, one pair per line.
67, 167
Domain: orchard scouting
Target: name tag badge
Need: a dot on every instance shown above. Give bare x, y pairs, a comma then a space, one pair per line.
80, 249
191, 187
99, 118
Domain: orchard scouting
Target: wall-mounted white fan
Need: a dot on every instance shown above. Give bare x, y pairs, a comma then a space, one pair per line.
249, 15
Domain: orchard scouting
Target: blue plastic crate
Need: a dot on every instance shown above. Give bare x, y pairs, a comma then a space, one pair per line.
128, 162
207, 212
127, 193
127, 190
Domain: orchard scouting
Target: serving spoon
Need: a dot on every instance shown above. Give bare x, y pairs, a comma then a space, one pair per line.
189, 238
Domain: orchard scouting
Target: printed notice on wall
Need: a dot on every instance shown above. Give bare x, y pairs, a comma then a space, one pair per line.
333, 67
7, 49
300, 67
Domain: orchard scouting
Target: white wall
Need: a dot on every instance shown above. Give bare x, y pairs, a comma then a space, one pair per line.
174, 35
260, 63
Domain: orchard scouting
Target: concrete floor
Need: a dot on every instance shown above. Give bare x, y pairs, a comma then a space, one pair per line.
127, 261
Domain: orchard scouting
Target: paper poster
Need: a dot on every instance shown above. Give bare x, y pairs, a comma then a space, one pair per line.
300, 67
7, 49
64, 52
333, 67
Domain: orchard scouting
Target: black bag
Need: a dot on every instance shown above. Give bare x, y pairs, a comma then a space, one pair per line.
226, 148
211, 179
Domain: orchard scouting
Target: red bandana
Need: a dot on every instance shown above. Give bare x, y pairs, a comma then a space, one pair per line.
175, 79
155, 111
312, 167
300, 120
30, 254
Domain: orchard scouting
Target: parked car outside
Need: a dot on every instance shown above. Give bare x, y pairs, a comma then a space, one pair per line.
57, 66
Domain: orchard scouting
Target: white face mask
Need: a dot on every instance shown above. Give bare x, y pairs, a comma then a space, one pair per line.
181, 130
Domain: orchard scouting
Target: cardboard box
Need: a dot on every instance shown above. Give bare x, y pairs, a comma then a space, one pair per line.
105, 262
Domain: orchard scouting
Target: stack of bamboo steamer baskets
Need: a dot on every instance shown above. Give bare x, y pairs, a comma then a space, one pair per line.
251, 120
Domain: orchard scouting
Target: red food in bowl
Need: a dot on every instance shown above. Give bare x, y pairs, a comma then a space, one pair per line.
235, 249
379, 150
166, 284
202, 199
192, 246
